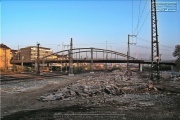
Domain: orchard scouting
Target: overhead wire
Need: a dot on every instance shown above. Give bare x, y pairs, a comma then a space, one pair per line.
138, 29
138, 38
143, 23
132, 16
148, 47
150, 42
143, 39
142, 46
139, 18
132, 19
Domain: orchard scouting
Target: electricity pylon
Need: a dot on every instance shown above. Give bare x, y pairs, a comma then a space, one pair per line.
155, 58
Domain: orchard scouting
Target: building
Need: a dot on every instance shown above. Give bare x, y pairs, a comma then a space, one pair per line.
14, 54
30, 53
5, 58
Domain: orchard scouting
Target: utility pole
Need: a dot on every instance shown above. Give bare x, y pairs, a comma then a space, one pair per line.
111, 56
91, 65
18, 53
38, 72
5, 61
106, 55
155, 58
106, 51
13, 63
68, 54
111, 51
71, 60
57, 47
128, 53
62, 57
22, 64
43, 62
79, 62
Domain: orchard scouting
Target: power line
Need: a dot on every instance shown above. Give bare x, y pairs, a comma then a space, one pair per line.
100, 43
143, 23
142, 46
148, 47
132, 17
140, 16
166, 46
48, 44
143, 39
150, 41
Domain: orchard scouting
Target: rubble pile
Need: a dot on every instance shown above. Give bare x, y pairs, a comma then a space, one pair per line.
110, 84
84, 88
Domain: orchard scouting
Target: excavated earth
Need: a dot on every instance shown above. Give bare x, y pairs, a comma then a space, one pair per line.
98, 96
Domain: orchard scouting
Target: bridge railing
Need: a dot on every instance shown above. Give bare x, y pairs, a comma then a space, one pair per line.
99, 59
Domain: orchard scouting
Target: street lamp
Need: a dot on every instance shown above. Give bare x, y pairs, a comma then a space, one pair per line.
106, 51
128, 53
57, 47
68, 55
62, 57
106, 54
111, 51
111, 56
22, 65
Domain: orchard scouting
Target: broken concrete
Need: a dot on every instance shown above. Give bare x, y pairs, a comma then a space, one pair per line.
112, 84
132, 98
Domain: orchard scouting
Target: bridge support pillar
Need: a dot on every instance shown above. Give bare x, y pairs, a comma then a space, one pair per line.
172, 68
140, 67
91, 66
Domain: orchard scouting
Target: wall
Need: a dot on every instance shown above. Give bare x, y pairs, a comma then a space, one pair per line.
5, 58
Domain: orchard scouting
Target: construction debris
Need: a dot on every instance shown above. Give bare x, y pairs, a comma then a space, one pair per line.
100, 84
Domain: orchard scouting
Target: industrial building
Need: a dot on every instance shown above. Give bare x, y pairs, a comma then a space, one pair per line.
30, 53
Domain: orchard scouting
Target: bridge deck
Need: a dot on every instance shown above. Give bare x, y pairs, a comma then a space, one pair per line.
18, 62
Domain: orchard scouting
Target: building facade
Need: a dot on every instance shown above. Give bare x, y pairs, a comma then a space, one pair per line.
30, 53
14, 54
5, 58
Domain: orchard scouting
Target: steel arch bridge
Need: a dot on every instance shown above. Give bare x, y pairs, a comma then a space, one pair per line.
84, 55
76, 52
89, 55
75, 55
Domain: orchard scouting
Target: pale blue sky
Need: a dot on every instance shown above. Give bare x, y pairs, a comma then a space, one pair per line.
90, 23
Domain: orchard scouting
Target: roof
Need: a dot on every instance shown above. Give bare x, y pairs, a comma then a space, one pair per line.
4, 46
36, 47
13, 51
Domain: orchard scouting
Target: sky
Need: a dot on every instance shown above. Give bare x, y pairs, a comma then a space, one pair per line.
90, 23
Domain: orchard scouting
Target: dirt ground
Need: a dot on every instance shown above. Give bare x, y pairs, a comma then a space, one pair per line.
18, 103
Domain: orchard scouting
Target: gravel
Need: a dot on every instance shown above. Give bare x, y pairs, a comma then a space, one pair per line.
28, 85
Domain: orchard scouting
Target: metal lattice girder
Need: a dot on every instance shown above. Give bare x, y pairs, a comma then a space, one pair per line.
80, 50
154, 43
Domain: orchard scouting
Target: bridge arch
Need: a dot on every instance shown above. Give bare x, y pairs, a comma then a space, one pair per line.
88, 50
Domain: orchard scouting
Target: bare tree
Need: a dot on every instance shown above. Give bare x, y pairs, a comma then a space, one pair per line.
176, 54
